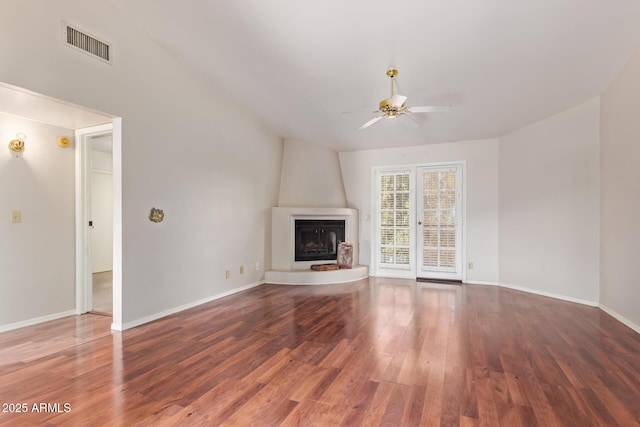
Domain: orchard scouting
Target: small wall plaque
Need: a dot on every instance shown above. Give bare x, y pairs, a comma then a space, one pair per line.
156, 215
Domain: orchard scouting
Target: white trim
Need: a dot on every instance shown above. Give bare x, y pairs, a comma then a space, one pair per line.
183, 307
480, 282
83, 213
83, 170
550, 294
37, 320
620, 318
389, 275
116, 146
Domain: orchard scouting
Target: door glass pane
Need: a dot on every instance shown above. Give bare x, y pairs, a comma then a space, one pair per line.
387, 201
402, 182
402, 256
402, 218
402, 201
386, 218
431, 200
402, 237
386, 182
448, 258
395, 202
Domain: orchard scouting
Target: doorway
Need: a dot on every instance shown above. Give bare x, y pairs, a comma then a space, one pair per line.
98, 221
419, 222
101, 223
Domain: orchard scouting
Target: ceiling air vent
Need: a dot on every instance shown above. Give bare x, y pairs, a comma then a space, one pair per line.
88, 44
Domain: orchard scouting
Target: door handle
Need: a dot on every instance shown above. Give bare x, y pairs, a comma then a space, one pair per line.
419, 222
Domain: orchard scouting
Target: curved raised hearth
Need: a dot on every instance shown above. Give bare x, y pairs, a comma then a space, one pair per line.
310, 277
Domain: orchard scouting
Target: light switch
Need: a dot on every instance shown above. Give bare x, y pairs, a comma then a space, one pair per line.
16, 216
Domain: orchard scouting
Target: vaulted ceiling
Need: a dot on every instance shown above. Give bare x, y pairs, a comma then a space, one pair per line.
300, 65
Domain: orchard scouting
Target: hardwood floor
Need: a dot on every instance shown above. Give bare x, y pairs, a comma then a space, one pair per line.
373, 352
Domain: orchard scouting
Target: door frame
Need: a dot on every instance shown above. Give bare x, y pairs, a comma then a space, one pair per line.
83, 208
412, 272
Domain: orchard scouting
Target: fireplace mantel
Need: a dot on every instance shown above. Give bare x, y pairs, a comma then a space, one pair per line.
288, 271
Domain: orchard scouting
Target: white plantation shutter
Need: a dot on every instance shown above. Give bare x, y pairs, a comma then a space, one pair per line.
439, 228
394, 202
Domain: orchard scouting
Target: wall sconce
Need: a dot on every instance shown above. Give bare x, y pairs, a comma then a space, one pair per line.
64, 141
17, 144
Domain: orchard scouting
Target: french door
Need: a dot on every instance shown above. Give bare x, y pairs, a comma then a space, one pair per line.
439, 220
418, 230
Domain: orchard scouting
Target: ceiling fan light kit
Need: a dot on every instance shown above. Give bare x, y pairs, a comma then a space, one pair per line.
394, 106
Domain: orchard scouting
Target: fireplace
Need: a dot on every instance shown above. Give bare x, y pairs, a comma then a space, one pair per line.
284, 255
318, 239
287, 221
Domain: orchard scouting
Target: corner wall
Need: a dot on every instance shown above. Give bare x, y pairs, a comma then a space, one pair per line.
37, 255
620, 207
549, 205
311, 177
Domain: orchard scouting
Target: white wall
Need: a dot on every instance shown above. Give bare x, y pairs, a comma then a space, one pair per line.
37, 272
549, 205
311, 177
620, 193
482, 194
186, 148
101, 211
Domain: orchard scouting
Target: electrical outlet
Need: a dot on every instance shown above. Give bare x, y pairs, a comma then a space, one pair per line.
16, 216
227, 273
242, 269
470, 265
257, 266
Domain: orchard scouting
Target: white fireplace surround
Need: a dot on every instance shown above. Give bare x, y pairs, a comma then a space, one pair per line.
285, 270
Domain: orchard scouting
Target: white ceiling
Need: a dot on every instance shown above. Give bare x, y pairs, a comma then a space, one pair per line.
502, 64
299, 65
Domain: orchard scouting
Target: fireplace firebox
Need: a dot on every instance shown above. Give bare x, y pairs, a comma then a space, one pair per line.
317, 240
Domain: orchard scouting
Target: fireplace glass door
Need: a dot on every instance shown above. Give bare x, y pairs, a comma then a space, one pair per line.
317, 240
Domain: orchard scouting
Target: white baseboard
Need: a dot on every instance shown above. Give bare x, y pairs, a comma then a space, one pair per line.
620, 318
177, 309
35, 321
479, 282
551, 295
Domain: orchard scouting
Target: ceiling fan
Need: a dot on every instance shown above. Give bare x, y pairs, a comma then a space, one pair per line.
393, 107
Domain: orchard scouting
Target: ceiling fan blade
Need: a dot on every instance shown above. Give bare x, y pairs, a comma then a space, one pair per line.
370, 122
430, 109
398, 100
408, 121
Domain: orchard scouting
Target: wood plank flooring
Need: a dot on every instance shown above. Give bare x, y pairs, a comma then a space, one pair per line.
374, 352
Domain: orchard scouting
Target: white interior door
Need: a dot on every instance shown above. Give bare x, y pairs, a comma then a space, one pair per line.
439, 218
101, 210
